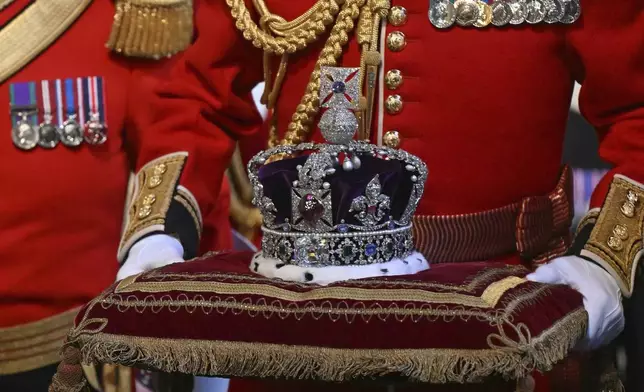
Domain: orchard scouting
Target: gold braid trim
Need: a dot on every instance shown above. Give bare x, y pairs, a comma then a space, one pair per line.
511, 357
279, 37
615, 242
301, 120
151, 28
291, 36
34, 345
156, 186
32, 31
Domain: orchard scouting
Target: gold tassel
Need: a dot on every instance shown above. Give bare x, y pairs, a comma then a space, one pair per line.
151, 28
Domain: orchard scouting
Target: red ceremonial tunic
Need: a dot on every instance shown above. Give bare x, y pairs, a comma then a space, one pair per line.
486, 109
61, 209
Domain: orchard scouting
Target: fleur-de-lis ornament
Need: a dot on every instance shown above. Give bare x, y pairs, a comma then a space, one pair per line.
373, 206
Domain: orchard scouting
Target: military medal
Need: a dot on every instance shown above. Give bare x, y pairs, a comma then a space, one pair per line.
572, 11
555, 11
501, 13
519, 12
24, 115
94, 102
536, 11
467, 12
71, 133
24, 134
48, 133
485, 14
442, 13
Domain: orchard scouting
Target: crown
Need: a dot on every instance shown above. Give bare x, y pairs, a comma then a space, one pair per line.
344, 202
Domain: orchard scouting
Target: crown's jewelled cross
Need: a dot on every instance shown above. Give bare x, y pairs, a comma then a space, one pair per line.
339, 92
339, 87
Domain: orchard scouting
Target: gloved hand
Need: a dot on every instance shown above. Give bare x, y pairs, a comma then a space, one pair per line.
602, 296
151, 252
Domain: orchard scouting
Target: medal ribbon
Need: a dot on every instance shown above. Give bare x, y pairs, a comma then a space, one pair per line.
70, 104
100, 99
83, 105
23, 99
47, 114
94, 99
59, 103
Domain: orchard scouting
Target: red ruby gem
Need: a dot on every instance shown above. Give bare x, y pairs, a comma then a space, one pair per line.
310, 208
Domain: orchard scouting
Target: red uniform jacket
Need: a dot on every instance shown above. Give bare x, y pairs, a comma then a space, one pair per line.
62, 208
486, 109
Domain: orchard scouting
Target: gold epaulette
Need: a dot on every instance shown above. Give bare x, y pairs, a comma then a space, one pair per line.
616, 239
151, 28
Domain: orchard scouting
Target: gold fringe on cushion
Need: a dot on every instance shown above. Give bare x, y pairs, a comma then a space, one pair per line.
512, 359
151, 28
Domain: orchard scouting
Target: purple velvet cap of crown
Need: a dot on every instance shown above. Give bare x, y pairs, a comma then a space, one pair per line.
277, 179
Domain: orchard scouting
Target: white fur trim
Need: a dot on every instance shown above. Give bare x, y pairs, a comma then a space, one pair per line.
326, 275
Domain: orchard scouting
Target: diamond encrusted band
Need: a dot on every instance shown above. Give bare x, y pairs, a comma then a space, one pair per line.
353, 248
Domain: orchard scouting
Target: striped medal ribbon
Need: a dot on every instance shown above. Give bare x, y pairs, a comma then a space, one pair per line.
24, 117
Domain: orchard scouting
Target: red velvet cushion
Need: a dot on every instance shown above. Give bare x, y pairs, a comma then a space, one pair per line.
452, 323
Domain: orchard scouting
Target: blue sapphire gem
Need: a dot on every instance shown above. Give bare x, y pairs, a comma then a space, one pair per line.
338, 87
370, 250
343, 228
392, 225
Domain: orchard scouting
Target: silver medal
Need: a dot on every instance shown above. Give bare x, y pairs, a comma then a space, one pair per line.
95, 132
48, 134
501, 13
572, 11
555, 11
24, 135
71, 134
467, 12
49, 137
442, 13
536, 11
519, 12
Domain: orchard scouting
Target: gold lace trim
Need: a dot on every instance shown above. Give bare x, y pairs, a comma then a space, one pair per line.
5, 3
512, 355
616, 239
34, 30
34, 345
488, 299
155, 188
335, 311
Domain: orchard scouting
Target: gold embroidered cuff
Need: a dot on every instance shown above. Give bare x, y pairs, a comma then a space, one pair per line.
615, 242
160, 205
188, 201
151, 28
589, 219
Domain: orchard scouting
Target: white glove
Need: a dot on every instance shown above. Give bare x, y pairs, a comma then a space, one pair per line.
602, 296
151, 252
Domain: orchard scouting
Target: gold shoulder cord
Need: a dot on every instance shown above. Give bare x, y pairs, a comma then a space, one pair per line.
276, 36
